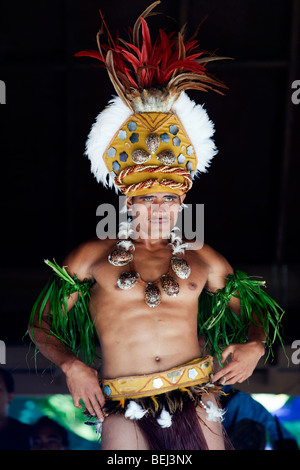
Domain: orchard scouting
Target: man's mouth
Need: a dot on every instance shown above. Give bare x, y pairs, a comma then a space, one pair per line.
159, 220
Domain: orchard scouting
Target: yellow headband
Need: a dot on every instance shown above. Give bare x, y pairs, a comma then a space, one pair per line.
151, 152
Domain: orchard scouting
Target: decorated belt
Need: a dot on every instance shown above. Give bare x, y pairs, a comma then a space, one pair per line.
189, 374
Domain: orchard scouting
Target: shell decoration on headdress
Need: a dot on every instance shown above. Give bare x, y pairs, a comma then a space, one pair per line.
152, 137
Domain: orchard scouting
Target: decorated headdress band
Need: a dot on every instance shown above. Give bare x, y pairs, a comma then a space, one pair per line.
152, 137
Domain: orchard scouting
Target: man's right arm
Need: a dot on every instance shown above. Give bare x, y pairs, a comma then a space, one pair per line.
81, 379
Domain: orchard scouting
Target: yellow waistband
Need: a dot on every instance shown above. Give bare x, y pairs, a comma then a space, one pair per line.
192, 373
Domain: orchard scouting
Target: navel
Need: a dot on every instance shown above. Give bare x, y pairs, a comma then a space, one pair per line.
192, 285
157, 358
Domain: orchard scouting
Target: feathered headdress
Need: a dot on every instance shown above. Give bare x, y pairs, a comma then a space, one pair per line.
152, 137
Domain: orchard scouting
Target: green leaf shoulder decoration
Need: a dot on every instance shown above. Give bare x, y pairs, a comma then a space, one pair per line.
220, 326
74, 328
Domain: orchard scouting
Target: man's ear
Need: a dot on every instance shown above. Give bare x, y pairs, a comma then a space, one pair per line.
182, 198
129, 202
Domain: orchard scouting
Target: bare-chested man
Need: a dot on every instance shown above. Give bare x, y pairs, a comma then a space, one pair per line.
149, 144
136, 340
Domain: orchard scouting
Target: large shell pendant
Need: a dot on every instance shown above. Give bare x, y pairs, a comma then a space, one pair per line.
180, 267
152, 295
170, 285
120, 257
128, 279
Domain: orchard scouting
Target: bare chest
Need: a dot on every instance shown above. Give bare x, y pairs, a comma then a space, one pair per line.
152, 269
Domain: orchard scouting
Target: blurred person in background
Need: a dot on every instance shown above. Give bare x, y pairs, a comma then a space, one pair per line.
14, 435
47, 434
251, 426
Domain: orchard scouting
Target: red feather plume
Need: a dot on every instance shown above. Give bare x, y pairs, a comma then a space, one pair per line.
169, 63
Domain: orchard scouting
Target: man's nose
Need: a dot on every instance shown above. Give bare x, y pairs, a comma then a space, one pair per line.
159, 208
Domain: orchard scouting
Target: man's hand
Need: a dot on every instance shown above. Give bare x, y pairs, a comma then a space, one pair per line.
83, 384
244, 358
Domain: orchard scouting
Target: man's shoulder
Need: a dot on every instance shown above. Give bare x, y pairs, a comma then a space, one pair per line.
82, 258
209, 255
218, 267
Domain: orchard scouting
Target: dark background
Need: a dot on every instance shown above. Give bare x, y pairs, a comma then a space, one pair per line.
49, 197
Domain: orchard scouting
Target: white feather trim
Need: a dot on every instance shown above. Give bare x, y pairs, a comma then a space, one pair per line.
165, 419
125, 230
134, 410
213, 412
199, 128
175, 239
180, 248
176, 242
99, 426
194, 118
126, 244
107, 124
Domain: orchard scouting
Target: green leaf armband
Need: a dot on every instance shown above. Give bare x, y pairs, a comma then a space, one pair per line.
220, 326
74, 328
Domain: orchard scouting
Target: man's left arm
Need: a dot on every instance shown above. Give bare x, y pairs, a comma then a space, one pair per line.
239, 359
242, 357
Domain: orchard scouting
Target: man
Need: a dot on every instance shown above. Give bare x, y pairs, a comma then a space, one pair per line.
14, 435
135, 341
157, 389
47, 434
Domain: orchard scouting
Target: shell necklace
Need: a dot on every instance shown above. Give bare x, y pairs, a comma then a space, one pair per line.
121, 256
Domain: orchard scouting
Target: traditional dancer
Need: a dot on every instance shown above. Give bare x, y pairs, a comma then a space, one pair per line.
161, 311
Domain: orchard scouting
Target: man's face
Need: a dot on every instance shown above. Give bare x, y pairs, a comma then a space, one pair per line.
47, 438
154, 215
